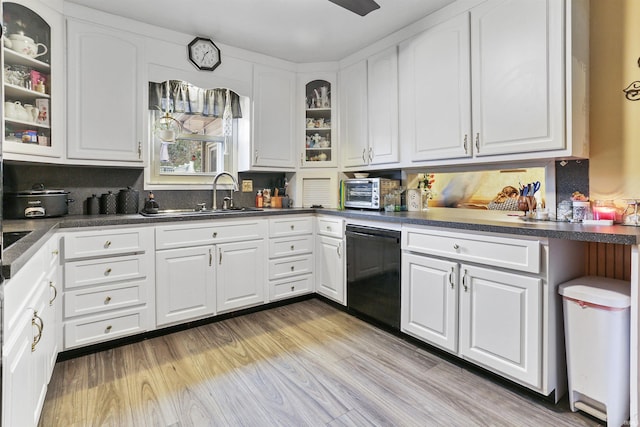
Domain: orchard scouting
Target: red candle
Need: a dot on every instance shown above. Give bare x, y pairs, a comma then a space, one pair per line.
604, 212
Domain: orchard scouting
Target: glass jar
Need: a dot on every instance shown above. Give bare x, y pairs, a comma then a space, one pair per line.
631, 214
604, 210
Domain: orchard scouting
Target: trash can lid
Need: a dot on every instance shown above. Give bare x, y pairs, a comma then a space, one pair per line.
598, 290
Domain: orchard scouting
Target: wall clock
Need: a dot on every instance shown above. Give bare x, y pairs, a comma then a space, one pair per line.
204, 54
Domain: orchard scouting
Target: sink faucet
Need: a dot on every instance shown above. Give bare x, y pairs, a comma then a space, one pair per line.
215, 187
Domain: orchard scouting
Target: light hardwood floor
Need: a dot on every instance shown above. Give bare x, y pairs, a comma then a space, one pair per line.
304, 364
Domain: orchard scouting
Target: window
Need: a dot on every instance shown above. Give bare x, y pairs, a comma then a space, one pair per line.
193, 132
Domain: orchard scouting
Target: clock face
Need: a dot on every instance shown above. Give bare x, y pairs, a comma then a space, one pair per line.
204, 54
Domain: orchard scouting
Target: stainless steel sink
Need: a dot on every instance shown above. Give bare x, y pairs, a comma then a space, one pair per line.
194, 212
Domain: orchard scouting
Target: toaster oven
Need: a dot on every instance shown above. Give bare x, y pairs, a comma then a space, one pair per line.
368, 193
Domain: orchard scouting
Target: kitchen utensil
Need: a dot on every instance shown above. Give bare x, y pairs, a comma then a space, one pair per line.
150, 205
128, 201
38, 202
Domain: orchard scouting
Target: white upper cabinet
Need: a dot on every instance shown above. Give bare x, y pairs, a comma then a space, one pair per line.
435, 97
353, 115
105, 94
33, 78
382, 83
517, 79
273, 118
502, 82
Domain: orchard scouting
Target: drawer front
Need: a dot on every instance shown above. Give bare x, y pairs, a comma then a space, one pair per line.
289, 246
287, 267
99, 271
207, 233
103, 298
94, 329
515, 254
100, 243
290, 226
332, 227
290, 287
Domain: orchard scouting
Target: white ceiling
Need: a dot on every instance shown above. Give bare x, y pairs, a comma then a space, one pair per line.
295, 30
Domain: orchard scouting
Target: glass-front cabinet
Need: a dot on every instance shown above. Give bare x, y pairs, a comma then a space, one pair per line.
319, 125
32, 77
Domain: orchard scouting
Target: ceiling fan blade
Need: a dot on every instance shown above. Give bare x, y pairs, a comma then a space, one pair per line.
361, 7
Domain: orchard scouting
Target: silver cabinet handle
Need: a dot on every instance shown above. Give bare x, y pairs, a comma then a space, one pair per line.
451, 277
220, 258
107, 244
370, 154
215, 234
478, 142
107, 271
456, 246
464, 281
55, 292
139, 150
210, 257
364, 152
466, 147
255, 155
292, 247
292, 268
301, 159
108, 329
38, 323
107, 300
338, 250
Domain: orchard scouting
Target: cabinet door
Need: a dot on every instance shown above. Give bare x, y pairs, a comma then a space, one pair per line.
41, 350
274, 112
185, 284
517, 63
435, 92
501, 322
240, 278
429, 308
382, 80
330, 263
104, 103
18, 390
353, 115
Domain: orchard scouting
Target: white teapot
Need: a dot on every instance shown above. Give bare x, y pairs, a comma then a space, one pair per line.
20, 112
26, 46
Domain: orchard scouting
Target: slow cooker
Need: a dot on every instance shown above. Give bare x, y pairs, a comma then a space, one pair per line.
38, 202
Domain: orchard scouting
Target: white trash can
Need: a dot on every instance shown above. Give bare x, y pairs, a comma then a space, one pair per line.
596, 324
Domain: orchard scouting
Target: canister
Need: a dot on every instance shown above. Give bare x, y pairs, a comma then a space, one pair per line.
108, 203
128, 201
93, 205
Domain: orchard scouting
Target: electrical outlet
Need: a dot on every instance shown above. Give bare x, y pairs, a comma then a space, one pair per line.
247, 186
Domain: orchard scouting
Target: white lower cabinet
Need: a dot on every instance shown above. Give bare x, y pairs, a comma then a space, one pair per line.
31, 341
206, 268
330, 259
185, 284
291, 264
240, 278
108, 284
458, 295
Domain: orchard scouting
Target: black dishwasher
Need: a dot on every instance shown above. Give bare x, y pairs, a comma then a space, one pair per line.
373, 274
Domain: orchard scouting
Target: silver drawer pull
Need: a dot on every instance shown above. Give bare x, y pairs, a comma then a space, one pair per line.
55, 252
292, 247
215, 234
55, 292
456, 246
107, 244
108, 329
293, 226
328, 228
292, 268
107, 300
293, 288
39, 324
107, 271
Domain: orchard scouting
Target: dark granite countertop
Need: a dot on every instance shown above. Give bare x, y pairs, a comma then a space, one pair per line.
14, 257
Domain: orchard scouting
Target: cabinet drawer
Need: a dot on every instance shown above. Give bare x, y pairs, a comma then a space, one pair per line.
103, 298
98, 271
291, 287
290, 226
94, 329
332, 227
287, 267
207, 233
290, 246
516, 254
102, 243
